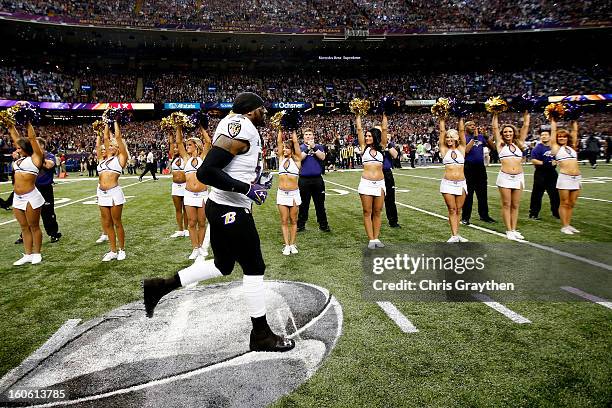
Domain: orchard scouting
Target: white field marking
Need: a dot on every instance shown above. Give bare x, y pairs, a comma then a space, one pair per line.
588, 296
402, 321
529, 191
499, 234
71, 202
515, 317
336, 191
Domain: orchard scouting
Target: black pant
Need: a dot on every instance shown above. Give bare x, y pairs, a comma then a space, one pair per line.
412, 161
47, 211
544, 179
234, 225
592, 156
150, 167
390, 207
90, 172
312, 187
476, 179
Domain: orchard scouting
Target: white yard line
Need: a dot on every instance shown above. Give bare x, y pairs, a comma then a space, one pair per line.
529, 191
533, 244
588, 296
73, 202
394, 314
512, 315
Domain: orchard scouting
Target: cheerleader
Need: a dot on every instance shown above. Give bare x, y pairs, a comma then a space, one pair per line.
563, 146
110, 195
27, 200
177, 167
288, 196
196, 194
510, 180
453, 186
372, 188
103, 236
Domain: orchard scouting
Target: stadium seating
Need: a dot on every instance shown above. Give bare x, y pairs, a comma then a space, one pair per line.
393, 15
46, 85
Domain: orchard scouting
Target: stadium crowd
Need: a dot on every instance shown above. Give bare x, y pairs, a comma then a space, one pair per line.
85, 86
407, 130
407, 15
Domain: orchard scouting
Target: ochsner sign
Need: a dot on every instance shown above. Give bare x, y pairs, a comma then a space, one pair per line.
290, 105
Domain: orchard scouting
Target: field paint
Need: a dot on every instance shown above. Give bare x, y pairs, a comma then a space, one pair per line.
70, 203
402, 321
529, 191
512, 315
244, 358
175, 331
588, 296
524, 241
336, 191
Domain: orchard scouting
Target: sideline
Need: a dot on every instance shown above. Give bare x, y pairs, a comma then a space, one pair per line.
76, 201
488, 185
533, 244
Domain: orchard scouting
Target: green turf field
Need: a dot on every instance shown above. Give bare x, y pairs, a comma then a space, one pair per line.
464, 355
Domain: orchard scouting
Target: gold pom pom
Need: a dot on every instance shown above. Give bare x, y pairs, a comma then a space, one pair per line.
98, 126
166, 123
359, 106
180, 119
7, 117
175, 120
276, 119
555, 110
496, 105
441, 108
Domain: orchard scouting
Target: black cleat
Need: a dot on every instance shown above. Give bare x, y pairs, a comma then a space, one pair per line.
153, 290
270, 342
465, 222
488, 220
325, 228
19, 241
56, 238
300, 229
396, 225
535, 217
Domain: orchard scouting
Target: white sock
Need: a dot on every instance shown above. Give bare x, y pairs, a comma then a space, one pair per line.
199, 271
253, 288
206, 243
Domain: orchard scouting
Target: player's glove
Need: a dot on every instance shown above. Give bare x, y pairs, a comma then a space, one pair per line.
258, 191
265, 179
